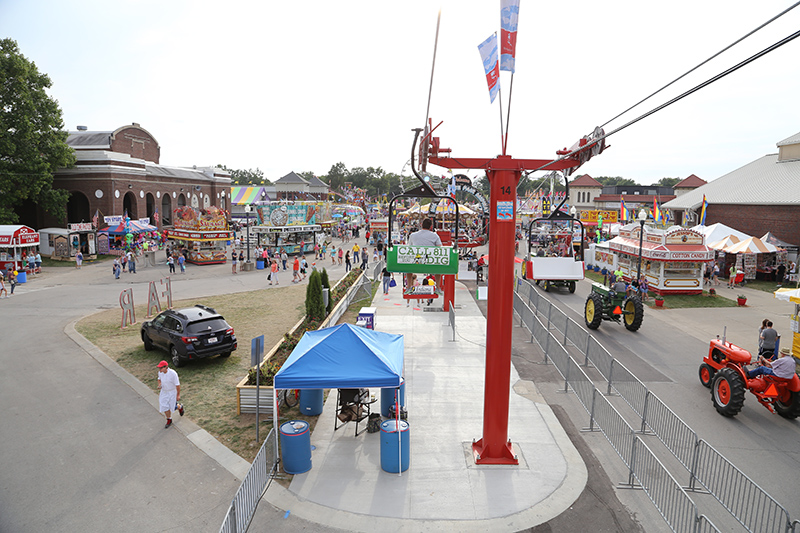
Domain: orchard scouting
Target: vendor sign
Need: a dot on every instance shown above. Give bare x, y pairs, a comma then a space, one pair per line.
590, 217
422, 259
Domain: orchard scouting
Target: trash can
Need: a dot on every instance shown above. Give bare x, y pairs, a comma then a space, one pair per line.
22, 277
387, 398
394, 451
259, 264
295, 447
368, 314
311, 402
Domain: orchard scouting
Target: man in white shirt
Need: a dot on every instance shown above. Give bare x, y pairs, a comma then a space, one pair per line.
425, 237
170, 387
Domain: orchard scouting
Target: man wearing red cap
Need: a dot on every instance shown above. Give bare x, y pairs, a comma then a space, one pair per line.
170, 391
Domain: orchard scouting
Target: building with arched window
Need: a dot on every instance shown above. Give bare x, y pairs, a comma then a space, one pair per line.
118, 172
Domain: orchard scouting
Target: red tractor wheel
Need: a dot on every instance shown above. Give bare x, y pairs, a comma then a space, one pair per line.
788, 404
706, 375
727, 392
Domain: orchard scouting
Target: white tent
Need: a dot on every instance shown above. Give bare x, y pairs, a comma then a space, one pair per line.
717, 232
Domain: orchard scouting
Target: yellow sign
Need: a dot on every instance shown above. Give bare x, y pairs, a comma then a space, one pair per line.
590, 217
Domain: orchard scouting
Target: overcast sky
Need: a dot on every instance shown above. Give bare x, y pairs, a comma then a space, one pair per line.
301, 86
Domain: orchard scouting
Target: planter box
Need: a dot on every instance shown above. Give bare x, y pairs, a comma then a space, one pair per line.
246, 394
741, 301
659, 303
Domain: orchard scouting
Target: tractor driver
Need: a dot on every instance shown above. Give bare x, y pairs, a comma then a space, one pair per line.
783, 367
619, 286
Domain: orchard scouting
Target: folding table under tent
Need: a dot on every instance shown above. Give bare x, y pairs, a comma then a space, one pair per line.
343, 357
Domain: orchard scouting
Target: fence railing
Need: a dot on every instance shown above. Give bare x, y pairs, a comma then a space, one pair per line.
244, 503
748, 503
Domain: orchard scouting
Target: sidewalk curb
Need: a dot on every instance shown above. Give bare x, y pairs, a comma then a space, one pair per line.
203, 440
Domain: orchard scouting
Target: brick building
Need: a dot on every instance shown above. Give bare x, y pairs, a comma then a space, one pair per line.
762, 196
118, 171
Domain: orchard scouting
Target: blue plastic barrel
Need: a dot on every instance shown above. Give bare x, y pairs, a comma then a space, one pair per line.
295, 447
311, 402
394, 451
387, 398
22, 277
259, 264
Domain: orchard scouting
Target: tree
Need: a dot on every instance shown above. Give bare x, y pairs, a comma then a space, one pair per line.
254, 177
326, 284
33, 141
666, 182
315, 309
616, 180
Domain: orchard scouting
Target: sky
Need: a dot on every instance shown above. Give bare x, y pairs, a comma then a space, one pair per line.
302, 86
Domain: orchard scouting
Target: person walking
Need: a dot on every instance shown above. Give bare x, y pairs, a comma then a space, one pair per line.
333, 254
38, 259
171, 264
355, 252
768, 338
132, 263
273, 272
732, 276
241, 260
387, 277
78, 259
715, 274
296, 270
303, 266
347, 264
341, 255
182, 263
284, 257
169, 395
234, 257
12, 280
3, 288
116, 269
364, 258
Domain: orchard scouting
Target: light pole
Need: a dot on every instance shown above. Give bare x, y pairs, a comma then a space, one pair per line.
641, 217
247, 209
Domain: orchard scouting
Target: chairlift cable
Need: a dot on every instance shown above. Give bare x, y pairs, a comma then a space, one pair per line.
433, 67
706, 61
694, 89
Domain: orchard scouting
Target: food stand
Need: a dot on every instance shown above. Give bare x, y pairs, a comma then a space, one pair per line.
205, 234
288, 226
15, 239
673, 259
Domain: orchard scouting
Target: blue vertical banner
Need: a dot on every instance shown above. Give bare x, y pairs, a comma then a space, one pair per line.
509, 17
491, 64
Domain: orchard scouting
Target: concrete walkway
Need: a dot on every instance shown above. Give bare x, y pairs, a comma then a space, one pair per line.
442, 489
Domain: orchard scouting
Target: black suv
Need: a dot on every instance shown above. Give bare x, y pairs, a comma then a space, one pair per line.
191, 333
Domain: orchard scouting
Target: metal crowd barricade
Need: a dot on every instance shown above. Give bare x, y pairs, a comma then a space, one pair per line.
246, 499
741, 496
671, 500
748, 503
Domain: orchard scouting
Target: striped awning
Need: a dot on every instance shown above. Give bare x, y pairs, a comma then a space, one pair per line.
752, 245
249, 195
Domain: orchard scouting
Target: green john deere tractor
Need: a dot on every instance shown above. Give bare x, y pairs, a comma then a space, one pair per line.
604, 303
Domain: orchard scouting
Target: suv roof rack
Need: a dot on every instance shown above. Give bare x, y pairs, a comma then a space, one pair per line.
210, 310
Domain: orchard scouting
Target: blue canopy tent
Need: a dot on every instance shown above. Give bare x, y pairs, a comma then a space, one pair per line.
343, 357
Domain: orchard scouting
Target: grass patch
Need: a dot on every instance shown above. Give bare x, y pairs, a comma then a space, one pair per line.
766, 286
681, 301
208, 385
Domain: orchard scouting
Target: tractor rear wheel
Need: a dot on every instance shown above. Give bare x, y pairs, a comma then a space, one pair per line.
633, 313
727, 392
593, 311
706, 375
788, 404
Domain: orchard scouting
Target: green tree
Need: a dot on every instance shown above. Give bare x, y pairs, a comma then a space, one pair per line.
244, 177
315, 310
327, 285
616, 180
32, 137
666, 182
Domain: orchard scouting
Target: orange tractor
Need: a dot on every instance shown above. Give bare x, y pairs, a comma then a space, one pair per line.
723, 371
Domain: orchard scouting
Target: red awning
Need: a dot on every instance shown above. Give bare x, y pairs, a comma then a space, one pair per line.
15, 235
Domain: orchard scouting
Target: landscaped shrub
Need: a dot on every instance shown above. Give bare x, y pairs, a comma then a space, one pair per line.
315, 309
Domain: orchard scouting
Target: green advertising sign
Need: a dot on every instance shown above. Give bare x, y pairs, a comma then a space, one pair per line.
422, 259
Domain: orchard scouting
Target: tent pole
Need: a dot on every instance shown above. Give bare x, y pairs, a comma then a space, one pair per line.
275, 418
